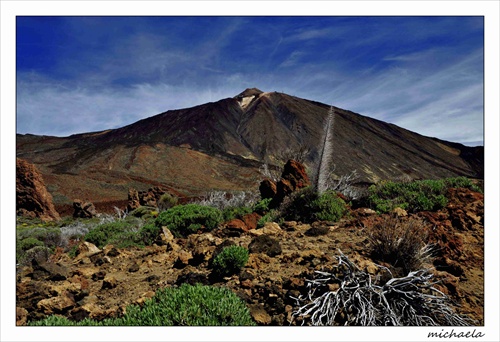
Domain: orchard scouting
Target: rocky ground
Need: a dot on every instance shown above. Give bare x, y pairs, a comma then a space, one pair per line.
101, 283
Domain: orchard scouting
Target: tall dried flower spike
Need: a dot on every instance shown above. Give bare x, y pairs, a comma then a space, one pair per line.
325, 155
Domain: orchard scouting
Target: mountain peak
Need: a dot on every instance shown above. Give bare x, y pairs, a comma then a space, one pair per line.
249, 92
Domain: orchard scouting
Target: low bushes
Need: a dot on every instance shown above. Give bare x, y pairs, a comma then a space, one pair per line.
222, 199
188, 305
119, 233
307, 206
183, 220
235, 212
167, 201
262, 207
415, 196
230, 261
30, 242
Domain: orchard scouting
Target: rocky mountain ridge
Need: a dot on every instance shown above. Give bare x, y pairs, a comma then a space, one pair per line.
221, 146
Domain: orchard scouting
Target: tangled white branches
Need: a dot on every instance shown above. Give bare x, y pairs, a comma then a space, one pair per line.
361, 300
222, 199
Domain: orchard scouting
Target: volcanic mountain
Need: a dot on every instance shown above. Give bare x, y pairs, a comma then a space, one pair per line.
221, 146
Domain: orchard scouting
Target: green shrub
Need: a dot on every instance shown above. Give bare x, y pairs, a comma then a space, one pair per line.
149, 233
328, 207
421, 195
270, 216
143, 211
29, 243
119, 233
50, 236
183, 220
35, 253
235, 212
462, 182
262, 207
186, 305
230, 261
167, 201
307, 206
38, 239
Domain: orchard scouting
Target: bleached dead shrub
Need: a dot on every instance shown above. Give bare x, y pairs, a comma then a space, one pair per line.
75, 230
345, 185
121, 214
222, 199
362, 300
107, 218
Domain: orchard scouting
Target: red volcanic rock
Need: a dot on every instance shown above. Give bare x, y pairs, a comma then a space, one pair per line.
237, 225
296, 174
251, 220
293, 178
267, 189
33, 199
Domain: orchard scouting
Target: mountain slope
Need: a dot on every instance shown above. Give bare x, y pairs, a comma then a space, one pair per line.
220, 145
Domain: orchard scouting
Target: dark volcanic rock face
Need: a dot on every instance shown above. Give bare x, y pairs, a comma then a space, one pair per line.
33, 199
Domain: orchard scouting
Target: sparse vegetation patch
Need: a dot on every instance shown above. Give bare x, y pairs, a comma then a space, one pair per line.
421, 195
183, 220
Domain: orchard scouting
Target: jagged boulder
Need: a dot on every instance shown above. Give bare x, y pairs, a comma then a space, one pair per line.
296, 174
149, 198
83, 209
267, 189
293, 178
133, 199
33, 199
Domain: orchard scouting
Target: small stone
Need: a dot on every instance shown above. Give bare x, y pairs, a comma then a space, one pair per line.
372, 269
247, 283
333, 287
133, 268
98, 275
260, 315
55, 305
109, 283
183, 259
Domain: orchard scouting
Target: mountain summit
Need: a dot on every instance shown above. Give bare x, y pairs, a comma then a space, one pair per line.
221, 145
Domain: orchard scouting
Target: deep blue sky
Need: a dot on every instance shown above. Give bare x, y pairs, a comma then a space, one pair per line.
82, 74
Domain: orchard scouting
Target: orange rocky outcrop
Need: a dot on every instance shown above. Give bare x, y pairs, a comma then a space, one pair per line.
33, 199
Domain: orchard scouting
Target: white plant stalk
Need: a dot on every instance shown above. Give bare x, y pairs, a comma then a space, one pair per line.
325, 155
